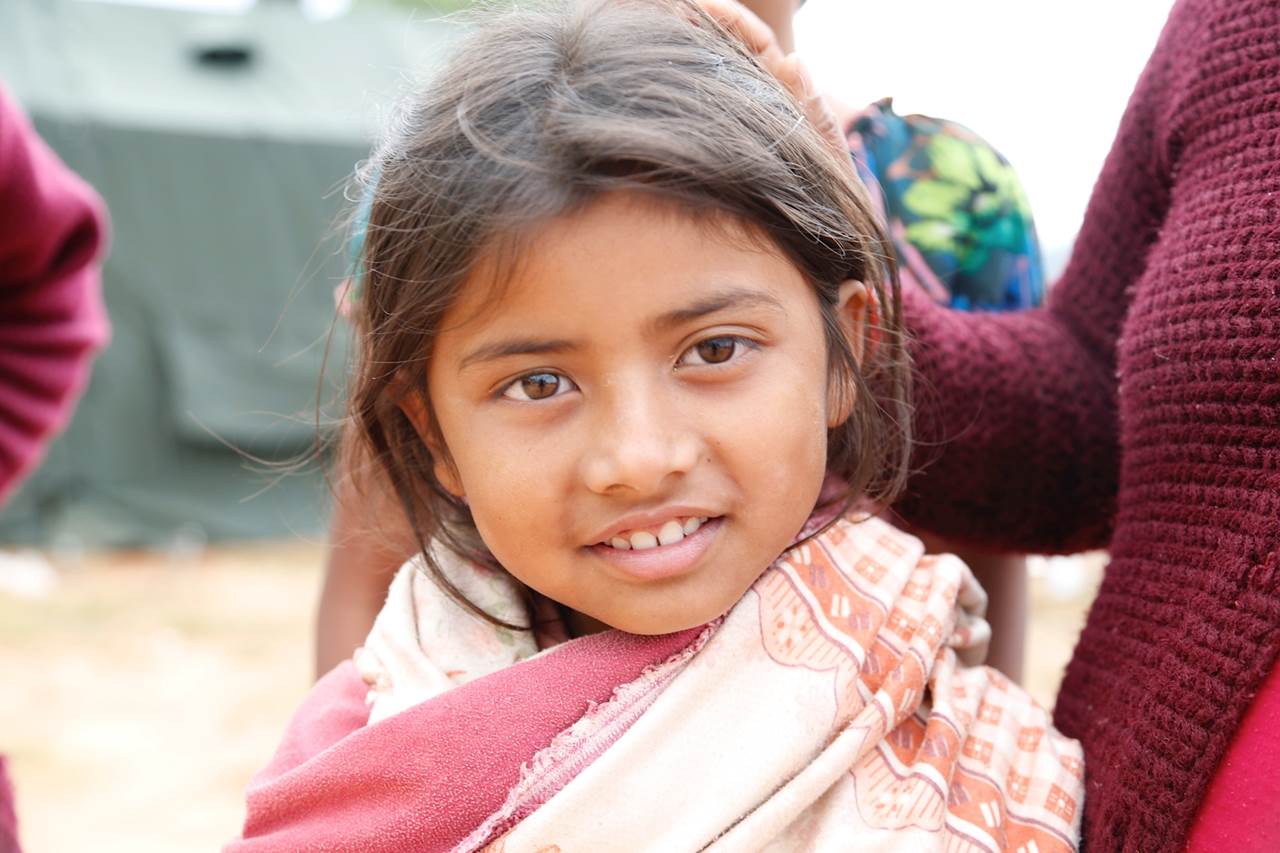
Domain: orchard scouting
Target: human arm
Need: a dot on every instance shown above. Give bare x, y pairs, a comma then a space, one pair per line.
52, 320
1016, 413
1016, 428
369, 539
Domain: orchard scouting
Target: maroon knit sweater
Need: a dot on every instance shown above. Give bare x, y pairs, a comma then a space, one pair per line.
1140, 410
52, 320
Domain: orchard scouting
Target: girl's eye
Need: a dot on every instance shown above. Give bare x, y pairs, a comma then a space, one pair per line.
712, 351
538, 386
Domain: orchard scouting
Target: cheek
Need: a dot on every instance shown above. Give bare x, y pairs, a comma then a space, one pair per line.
783, 434
514, 490
793, 451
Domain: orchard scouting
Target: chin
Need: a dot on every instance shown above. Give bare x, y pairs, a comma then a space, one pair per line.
667, 623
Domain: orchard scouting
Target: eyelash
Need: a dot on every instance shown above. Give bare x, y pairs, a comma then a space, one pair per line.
738, 341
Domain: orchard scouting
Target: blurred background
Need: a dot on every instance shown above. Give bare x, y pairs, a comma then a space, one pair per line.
157, 574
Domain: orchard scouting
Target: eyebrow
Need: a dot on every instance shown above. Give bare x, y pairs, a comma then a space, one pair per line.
515, 346
735, 297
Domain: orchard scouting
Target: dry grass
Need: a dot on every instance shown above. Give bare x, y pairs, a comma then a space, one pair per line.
144, 691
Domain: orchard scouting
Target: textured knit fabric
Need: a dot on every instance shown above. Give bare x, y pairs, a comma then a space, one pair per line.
1140, 410
1239, 810
51, 313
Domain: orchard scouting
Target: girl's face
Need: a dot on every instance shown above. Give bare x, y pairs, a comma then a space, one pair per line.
638, 421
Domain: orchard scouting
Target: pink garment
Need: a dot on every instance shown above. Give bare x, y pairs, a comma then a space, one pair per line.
1241, 809
8, 817
417, 781
52, 320
798, 717
52, 229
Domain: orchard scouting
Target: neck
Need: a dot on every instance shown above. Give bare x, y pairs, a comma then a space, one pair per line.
580, 624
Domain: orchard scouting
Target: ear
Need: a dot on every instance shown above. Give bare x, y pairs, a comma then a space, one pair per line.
853, 309
415, 409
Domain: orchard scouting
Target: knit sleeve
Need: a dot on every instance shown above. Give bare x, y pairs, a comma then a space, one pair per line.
52, 228
1017, 426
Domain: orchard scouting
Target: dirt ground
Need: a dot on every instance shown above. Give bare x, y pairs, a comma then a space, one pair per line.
143, 690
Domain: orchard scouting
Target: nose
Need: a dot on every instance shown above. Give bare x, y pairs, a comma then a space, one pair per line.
638, 441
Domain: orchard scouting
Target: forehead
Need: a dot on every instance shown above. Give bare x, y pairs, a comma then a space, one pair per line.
622, 260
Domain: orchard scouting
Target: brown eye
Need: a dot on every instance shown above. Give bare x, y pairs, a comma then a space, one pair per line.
537, 386
721, 349
716, 350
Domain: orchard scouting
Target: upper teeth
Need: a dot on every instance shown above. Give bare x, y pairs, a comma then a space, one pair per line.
668, 534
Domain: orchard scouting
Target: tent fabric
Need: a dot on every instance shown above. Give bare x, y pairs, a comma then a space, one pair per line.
225, 183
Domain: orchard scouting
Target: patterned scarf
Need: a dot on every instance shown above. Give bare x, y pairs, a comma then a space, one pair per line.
834, 707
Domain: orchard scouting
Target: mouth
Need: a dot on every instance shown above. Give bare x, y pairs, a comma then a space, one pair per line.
649, 554
644, 538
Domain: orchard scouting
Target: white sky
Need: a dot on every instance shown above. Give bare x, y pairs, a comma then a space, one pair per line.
1044, 82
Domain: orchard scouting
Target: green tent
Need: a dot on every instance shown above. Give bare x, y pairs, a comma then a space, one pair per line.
222, 145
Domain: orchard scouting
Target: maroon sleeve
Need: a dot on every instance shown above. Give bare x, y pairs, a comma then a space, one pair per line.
52, 320
1017, 413
8, 815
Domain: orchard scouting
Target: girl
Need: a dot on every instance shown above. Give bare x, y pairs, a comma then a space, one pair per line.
990, 261
630, 355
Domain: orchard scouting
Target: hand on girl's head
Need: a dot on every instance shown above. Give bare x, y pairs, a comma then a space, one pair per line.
789, 69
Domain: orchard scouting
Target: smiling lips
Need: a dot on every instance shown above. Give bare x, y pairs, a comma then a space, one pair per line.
668, 553
668, 534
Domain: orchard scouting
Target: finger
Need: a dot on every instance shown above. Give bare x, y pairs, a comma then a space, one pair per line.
790, 71
804, 81
791, 75
754, 33
817, 110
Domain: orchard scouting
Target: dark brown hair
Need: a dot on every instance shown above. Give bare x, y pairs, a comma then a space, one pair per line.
543, 109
